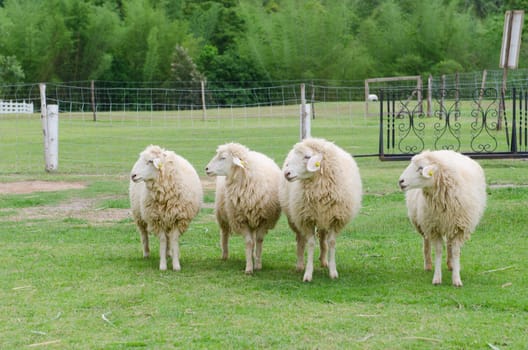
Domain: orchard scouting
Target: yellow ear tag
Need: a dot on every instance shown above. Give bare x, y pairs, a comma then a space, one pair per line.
430, 173
318, 164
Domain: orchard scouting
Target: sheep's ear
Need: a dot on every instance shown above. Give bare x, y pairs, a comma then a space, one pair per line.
158, 164
314, 163
429, 170
239, 162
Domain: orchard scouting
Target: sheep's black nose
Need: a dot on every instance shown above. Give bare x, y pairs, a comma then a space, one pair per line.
400, 182
133, 176
206, 169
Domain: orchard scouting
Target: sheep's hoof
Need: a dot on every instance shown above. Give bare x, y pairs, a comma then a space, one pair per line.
334, 275
248, 272
428, 267
307, 278
324, 263
437, 282
457, 284
176, 268
299, 267
163, 268
258, 267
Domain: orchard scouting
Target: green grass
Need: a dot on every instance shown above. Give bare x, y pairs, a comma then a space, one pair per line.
70, 283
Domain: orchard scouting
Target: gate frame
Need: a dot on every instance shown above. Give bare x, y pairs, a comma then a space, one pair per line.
519, 132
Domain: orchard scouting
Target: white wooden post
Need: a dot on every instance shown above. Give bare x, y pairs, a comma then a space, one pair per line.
305, 124
49, 117
52, 163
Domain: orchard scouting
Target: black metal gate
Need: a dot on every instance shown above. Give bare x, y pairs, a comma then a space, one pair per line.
483, 125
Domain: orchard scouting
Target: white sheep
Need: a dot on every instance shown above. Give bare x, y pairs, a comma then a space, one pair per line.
321, 190
247, 200
372, 97
446, 197
165, 195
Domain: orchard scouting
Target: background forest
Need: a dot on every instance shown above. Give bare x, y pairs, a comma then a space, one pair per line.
171, 41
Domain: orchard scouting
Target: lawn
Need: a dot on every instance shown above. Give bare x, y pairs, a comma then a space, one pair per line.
71, 280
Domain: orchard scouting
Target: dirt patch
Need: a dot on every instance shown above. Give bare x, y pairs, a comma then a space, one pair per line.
87, 209
25, 187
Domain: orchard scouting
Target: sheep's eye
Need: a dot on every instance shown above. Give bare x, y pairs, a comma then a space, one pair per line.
420, 168
222, 158
307, 157
150, 161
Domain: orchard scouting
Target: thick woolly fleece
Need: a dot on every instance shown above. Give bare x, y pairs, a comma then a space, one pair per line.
328, 200
453, 205
171, 199
248, 197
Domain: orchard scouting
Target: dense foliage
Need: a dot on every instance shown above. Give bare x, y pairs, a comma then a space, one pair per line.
253, 40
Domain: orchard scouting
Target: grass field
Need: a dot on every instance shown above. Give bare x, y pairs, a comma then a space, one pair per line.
75, 279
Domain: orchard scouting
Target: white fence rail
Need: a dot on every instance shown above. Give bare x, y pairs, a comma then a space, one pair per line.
15, 107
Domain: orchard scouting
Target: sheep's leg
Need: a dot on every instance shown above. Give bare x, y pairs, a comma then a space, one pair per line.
250, 244
309, 260
144, 240
224, 243
301, 243
163, 251
455, 259
332, 269
449, 255
323, 244
428, 262
258, 249
174, 248
438, 245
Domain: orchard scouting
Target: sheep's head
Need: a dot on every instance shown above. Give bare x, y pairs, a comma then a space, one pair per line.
419, 173
149, 165
301, 163
228, 157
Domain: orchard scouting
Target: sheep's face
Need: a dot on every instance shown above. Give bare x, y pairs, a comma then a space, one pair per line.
222, 164
301, 164
147, 168
418, 174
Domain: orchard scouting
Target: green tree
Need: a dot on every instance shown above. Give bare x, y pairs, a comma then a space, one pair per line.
10, 70
146, 47
59, 39
217, 22
183, 69
38, 39
304, 40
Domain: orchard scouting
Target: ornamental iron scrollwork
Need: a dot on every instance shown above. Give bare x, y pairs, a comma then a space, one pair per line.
446, 131
405, 120
478, 125
485, 113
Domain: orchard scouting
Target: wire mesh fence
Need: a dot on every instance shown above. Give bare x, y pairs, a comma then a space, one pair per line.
105, 125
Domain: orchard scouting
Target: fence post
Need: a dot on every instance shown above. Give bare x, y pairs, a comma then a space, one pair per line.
92, 88
429, 96
457, 95
44, 121
204, 108
53, 138
305, 115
